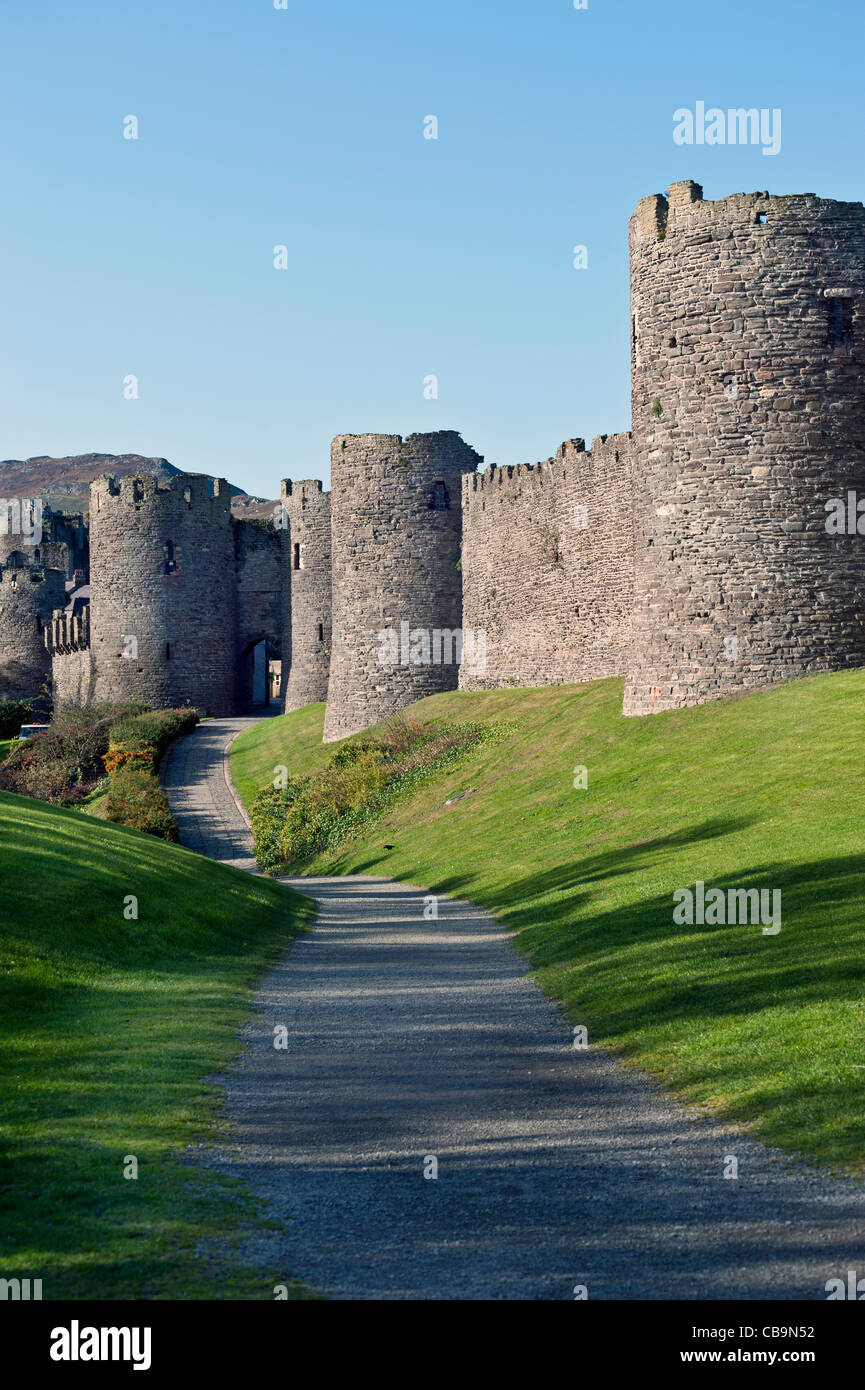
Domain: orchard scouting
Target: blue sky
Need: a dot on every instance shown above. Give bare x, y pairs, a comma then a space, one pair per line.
407, 257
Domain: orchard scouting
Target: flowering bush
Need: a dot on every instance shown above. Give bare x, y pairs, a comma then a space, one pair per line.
136, 799
141, 739
80, 746
143, 756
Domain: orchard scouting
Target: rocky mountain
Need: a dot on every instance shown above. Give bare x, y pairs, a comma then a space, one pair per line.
64, 482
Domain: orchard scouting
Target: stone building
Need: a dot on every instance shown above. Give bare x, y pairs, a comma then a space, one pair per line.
307, 513
693, 556
748, 405
396, 529
28, 597
163, 592
547, 566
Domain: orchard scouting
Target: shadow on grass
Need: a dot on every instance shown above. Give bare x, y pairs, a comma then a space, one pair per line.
661, 971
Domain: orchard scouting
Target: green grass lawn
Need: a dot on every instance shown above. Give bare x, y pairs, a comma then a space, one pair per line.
291, 740
109, 1030
766, 791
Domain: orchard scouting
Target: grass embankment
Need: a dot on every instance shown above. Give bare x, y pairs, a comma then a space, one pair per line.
109, 1027
290, 740
762, 792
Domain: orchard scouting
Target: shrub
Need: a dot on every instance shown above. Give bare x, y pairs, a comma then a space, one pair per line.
349, 753
361, 780
139, 740
34, 769
80, 737
327, 800
64, 763
13, 713
268, 814
142, 756
136, 799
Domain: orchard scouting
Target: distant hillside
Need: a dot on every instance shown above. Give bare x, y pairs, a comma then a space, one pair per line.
65, 482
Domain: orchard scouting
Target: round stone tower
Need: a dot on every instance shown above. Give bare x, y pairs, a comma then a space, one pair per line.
748, 395
307, 651
397, 596
28, 597
163, 591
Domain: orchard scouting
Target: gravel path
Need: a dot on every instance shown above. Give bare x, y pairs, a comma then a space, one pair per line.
198, 791
413, 1039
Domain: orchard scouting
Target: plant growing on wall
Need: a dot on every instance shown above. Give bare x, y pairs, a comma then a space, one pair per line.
547, 544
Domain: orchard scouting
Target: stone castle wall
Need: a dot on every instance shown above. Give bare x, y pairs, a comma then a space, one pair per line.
748, 396
396, 527
547, 566
307, 511
163, 590
28, 598
693, 556
67, 639
66, 543
72, 678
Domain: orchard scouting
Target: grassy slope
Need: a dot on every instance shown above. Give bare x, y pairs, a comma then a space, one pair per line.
765, 791
292, 740
108, 1030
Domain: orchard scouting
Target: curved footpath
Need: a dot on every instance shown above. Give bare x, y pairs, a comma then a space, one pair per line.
411, 1040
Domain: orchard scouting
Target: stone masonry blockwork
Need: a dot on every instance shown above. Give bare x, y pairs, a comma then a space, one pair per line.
547, 564
396, 533
28, 598
691, 556
163, 591
307, 510
748, 406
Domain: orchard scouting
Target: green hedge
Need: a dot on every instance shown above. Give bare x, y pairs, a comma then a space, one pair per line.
67, 762
291, 824
146, 737
13, 713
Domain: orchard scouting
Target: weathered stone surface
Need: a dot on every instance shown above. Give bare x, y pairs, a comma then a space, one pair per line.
740, 438
262, 579
692, 555
547, 566
307, 509
396, 531
28, 597
163, 588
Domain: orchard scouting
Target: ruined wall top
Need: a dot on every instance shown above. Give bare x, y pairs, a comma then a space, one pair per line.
684, 208
190, 491
572, 456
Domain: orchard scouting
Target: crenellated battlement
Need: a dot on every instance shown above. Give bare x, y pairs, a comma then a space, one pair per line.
684, 211
68, 632
185, 491
571, 459
303, 487
547, 565
747, 359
